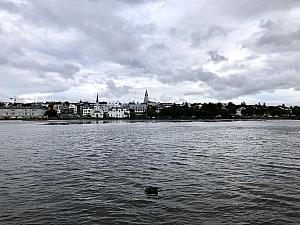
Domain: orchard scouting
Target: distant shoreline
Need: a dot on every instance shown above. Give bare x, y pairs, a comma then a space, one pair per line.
155, 119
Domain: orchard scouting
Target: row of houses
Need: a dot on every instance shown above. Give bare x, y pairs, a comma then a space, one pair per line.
147, 109
66, 110
100, 110
72, 111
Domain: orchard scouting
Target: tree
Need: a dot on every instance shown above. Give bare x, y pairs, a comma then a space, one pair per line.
151, 111
231, 108
296, 111
66, 104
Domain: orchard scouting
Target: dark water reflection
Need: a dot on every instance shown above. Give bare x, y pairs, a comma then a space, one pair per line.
208, 173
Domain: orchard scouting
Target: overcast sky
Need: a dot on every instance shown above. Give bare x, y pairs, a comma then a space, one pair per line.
180, 50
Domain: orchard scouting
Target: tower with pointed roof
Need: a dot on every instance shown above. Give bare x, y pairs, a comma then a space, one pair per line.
98, 112
146, 98
97, 99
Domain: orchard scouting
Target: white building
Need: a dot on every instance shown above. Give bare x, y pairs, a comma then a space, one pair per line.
22, 112
73, 107
239, 111
139, 109
86, 112
98, 111
104, 106
118, 113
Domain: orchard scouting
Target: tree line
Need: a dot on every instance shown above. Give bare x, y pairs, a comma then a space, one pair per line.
219, 110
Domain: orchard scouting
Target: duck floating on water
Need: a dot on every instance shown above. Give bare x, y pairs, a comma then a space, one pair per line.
150, 190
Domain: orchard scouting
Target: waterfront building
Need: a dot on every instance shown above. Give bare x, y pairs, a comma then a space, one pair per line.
73, 107
84, 108
22, 111
239, 111
87, 112
139, 109
118, 113
114, 104
104, 107
97, 112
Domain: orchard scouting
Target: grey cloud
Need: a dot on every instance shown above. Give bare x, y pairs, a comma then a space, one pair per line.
51, 46
112, 90
203, 35
8, 6
17, 83
138, 1
25, 63
216, 57
158, 46
236, 85
274, 37
146, 29
182, 75
132, 63
282, 42
266, 24
250, 9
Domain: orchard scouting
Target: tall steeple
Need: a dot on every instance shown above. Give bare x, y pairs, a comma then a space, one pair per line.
146, 98
97, 99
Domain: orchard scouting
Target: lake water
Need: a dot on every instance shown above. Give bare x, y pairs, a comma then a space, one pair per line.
245, 172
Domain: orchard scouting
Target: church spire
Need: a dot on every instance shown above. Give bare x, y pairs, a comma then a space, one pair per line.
97, 99
146, 98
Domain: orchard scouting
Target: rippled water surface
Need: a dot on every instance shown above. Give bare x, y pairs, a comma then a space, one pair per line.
208, 173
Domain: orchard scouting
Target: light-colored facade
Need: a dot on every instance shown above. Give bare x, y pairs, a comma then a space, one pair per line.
87, 112
104, 106
73, 107
239, 111
22, 112
98, 112
119, 113
139, 109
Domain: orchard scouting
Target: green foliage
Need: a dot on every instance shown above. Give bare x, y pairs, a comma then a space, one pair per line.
132, 114
151, 111
296, 111
217, 110
231, 108
51, 105
66, 104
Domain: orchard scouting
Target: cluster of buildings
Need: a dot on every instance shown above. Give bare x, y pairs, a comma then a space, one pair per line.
117, 110
66, 110
22, 111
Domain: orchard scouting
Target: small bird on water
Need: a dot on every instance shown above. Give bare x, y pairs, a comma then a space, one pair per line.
150, 190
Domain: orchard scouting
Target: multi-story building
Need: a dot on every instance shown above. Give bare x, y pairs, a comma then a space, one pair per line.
139, 109
87, 112
118, 113
22, 111
73, 107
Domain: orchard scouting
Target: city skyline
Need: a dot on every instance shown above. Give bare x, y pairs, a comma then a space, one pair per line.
195, 51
